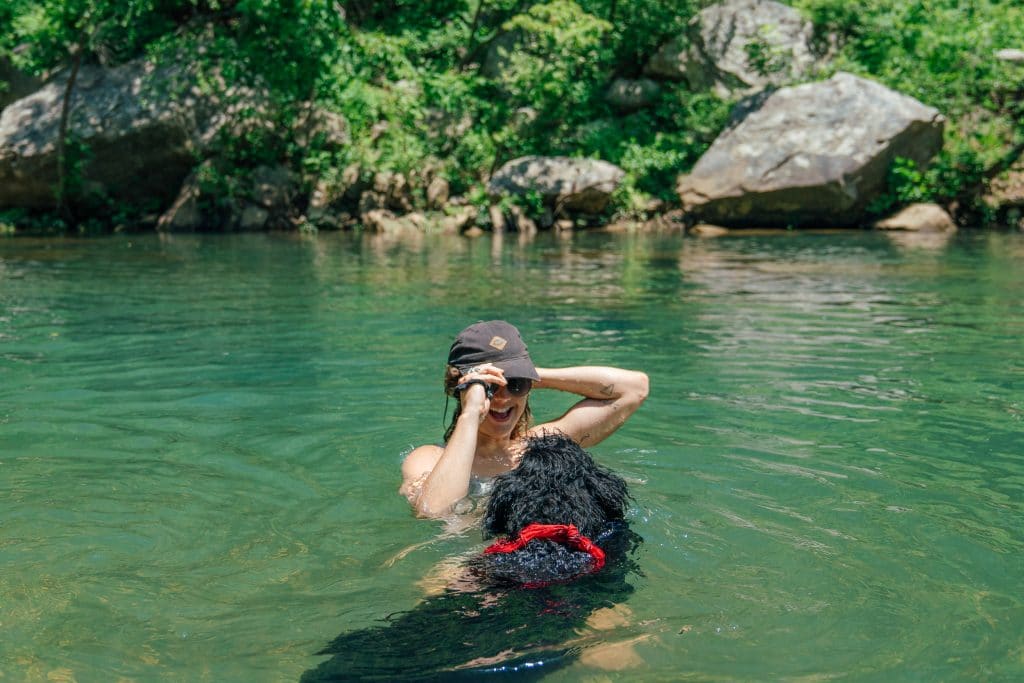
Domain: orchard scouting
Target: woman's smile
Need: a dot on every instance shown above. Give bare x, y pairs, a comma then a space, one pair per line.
502, 415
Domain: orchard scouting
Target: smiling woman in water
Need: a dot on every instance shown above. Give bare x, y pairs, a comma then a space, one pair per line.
490, 374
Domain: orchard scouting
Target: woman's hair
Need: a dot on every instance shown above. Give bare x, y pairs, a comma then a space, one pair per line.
451, 380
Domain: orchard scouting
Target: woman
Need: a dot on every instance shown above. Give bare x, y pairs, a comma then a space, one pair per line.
490, 374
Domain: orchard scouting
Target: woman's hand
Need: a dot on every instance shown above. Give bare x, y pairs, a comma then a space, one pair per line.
478, 384
435, 478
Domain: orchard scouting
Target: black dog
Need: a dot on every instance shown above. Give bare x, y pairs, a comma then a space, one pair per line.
550, 507
566, 555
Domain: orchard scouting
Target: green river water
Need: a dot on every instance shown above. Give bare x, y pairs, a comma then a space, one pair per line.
200, 441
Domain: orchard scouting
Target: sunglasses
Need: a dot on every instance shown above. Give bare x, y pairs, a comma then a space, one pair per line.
517, 386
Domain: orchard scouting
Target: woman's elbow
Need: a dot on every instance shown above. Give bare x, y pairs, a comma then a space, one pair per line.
424, 508
413, 492
642, 388
422, 511
634, 393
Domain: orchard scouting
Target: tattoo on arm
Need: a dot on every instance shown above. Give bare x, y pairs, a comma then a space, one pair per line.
608, 390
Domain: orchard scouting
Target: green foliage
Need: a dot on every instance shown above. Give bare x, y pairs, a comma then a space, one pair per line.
907, 183
763, 56
404, 74
554, 73
105, 31
407, 77
639, 28
22, 221
655, 145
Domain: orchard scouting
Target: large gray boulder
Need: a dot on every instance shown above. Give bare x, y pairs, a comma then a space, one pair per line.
567, 184
811, 155
141, 137
143, 129
739, 46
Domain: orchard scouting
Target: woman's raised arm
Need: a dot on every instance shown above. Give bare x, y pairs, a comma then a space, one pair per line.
435, 478
611, 395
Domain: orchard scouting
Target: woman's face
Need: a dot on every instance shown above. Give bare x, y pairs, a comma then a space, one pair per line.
504, 413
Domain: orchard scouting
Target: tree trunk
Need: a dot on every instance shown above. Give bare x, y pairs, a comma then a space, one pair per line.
62, 135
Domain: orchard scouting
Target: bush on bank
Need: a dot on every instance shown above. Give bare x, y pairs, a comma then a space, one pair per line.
413, 79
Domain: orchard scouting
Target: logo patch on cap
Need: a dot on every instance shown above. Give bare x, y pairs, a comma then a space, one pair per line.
498, 343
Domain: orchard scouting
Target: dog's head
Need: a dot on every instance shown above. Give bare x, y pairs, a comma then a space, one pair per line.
556, 482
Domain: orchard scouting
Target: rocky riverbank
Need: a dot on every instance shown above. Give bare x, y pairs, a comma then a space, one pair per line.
800, 150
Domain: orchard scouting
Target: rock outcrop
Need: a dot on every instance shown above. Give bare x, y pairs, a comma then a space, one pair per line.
810, 155
739, 46
1005, 196
566, 184
263, 200
141, 139
136, 134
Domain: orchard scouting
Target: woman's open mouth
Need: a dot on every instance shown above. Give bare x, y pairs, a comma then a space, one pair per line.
501, 415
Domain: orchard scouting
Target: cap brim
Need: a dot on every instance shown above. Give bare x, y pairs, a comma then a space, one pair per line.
518, 367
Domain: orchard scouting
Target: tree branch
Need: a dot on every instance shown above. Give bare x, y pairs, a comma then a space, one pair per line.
1006, 162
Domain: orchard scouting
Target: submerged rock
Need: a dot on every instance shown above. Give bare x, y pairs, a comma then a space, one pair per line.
810, 155
708, 230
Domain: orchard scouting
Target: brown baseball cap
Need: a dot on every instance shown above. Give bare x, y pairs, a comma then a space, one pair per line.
496, 342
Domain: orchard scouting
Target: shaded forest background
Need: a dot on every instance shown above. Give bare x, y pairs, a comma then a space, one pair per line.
406, 76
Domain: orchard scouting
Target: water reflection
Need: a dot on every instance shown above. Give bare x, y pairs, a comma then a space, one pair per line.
466, 634
927, 241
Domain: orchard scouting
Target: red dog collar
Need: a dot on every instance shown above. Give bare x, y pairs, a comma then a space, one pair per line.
566, 534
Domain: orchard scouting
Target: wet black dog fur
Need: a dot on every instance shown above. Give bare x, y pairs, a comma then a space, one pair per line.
526, 617
556, 482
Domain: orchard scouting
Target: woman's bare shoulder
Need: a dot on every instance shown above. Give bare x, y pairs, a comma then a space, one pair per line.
416, 467
421, 459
